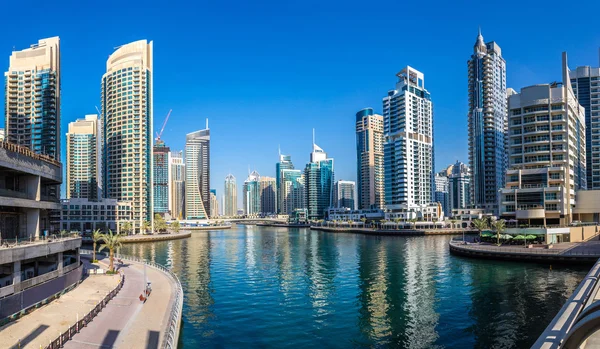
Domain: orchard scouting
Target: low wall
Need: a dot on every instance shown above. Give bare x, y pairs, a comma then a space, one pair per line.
17, 302
526, 255
583, 233
220, 227
153, 238
394, 232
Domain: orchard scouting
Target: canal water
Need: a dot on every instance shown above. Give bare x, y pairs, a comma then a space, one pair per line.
262, 287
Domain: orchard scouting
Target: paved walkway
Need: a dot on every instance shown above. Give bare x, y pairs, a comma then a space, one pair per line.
126, 322
44, 324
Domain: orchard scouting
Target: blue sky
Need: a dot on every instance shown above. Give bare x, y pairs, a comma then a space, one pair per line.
266, 72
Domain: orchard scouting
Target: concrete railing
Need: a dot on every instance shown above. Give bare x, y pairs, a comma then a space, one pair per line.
28, 152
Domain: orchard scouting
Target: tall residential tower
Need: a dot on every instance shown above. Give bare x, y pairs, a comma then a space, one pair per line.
177, 185
369, 162
162, 176
487, 123
32, 98
318, 183
285, 163
230, 196
127, 118
84, 159
197, 174
408, 144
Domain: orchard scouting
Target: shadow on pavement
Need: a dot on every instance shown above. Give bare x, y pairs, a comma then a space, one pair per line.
152, 340
110, 339
30, 337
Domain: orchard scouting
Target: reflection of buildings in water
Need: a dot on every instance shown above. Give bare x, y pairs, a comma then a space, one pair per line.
250, 251
321, 267
284, 263
373, 284
196, 279
419, 288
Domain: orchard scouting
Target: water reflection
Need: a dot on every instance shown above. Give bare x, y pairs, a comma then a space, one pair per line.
273, 288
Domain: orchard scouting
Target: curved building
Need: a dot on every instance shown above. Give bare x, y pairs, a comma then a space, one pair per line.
127, 117
197, 174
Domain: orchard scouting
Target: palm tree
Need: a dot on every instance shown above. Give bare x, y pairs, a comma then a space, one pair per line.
499, 226
145, 226
364, 221
397, 221
126, 227
96, 236
350, 222
481, 225
63, 233
414, 222
112, 242
175, 226
453, 222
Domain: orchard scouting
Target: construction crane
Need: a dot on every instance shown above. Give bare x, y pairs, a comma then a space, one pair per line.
158, 134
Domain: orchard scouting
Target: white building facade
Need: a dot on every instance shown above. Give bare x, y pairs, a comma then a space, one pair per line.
197, 174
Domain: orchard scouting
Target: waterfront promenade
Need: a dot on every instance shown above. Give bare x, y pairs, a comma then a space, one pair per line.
396, 232
125, 322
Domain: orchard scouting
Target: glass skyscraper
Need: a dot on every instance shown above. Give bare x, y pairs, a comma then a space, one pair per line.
230, 196
177, 185
127, 118
32, 98
197, 174
252, 193
487, 123
162, 170
369, 152
293, 191
318, 183
285, 163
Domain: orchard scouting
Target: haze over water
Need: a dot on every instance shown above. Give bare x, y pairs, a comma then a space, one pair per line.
276, 287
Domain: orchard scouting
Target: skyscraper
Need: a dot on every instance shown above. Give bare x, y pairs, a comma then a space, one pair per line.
230, 196
408, 143
177, 185
369, 153
318, 183
162, 177
547, 154
487, 123
127, 118
441, 192
459, 187
84, 159
293, 191
585, 81
197, 174
344, 194
285, 163
214, 204
267, 195
251, 192
32, 98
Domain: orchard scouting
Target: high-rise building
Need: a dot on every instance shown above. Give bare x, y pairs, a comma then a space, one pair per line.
344, 193
441, 192
84, 155
369, 162
162, 178
251, 192
267, 195
408, 142
318, 183
285, 163
127, 118
177, 185
585, 81
197, 174
230, 196
214, 204
32, 98
459, 187
547, 154
293, 191
487, 123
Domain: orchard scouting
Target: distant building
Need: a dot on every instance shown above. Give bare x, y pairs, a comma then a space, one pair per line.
292, 191
251, 197
441, 192
85, 215
267, 195
459, 187
230, 197
32, 98
285, 163
369, 151
162, 176
197, 174
585, 81
318, 183
487, 123
84, 159
214, 204
177, 185
127, 131
344, 194
547, 154
408, 145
